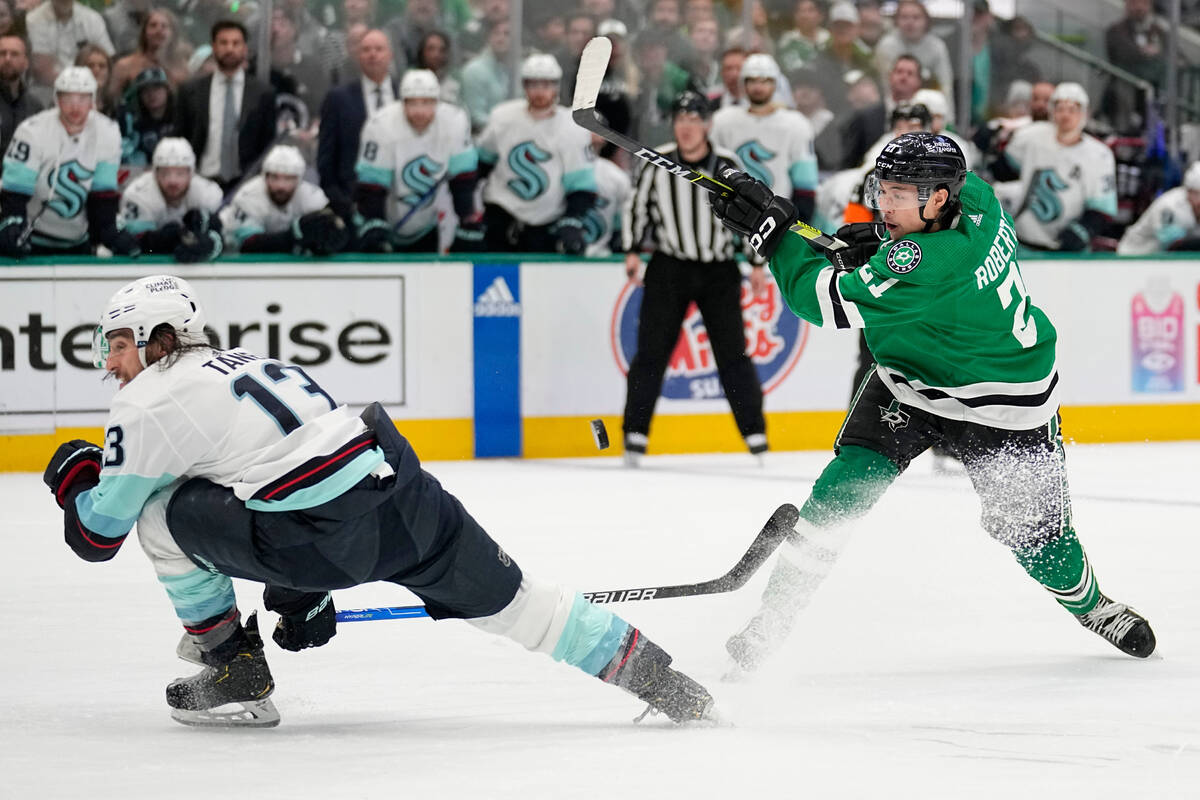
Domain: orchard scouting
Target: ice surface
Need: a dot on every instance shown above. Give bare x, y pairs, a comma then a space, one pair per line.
927, 666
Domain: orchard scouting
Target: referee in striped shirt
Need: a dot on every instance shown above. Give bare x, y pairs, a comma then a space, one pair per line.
692, 260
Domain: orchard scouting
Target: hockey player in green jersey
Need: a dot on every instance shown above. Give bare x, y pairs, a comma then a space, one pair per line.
963, 359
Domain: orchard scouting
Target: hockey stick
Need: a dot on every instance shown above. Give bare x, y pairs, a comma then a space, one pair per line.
592, 65
773, 533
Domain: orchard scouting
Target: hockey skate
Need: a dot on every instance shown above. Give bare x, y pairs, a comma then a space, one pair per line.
1126, 629
751, 646
635, 449
231, 691
643, 669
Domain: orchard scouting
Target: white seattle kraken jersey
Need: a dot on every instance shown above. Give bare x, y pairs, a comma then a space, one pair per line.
411, 165
1058, 183
613, 189
58, 172
251, 211
775, 148
1167, 220
143, 207
229, 416
538, 161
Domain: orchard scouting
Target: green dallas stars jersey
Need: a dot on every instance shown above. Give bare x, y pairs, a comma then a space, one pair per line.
945, 314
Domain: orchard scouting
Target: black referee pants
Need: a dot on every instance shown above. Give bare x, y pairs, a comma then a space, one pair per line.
716, 288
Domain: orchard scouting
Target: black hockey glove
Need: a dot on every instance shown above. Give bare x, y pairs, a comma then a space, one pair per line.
200, 222
73, 461
11, 230
321, 232
754, 211
862, 241
1073, 239
306, 619
572, 238
374, 236
195, 247
122, 243
1186, 243
468, 236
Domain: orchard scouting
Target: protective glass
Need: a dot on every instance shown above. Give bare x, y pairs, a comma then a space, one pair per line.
893, 196
99, 347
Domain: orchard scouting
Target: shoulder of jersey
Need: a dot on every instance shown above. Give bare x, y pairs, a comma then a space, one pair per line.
142, 185
41, 120
726, 113
723, 153
206, 192
253, 187
509, 108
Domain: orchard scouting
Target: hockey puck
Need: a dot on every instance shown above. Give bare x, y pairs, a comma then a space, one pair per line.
600, 434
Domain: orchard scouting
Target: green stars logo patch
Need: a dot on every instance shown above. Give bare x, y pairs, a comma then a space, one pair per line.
904, 256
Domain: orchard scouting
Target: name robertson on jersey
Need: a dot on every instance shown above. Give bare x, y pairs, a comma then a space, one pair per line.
999, 255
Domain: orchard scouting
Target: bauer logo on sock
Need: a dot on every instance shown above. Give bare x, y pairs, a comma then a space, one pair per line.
904, 256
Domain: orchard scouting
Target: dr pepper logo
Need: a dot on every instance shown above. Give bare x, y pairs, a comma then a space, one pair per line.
774, 336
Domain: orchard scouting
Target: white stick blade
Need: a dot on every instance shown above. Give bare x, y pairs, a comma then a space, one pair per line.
592, 66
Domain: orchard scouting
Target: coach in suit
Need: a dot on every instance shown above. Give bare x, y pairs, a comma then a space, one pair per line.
228, 116
343, 115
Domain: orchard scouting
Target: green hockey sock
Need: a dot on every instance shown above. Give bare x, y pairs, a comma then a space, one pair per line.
848, 487
1062, 567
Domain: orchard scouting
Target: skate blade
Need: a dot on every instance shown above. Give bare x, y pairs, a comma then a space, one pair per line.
251, 714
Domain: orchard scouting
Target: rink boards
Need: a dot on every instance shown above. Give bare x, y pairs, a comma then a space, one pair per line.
495, 358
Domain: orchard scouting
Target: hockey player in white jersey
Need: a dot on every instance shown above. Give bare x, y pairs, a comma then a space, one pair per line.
233, 465
1172, 222
773, 143
613, 190
541, 182
172, 210
60, 177
277, 211
407, 150
1066, 191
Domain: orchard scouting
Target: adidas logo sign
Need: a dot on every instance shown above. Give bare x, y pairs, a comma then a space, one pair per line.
977, 219
497, 301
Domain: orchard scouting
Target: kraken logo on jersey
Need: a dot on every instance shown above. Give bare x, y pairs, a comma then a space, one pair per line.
593, 220
70, 195
531, 180
1043, 198
420, 176
754, 157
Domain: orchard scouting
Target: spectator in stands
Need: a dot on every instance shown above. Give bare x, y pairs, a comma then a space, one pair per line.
867, 125
1137, 43
229, 116
913, 37
800, 45
125, 19
435, 56
1039, 101
664, 21
94, 58
337, 49
349, 105
406, 31
278, 211
841, 53
17, 103
485, 78
1172, 222
9, 23
1066, 192
997, 60
398, 203
549, 32
705, 38
581, 27
158, 45
729, 92
660, 82
57, 29
541, 183
872, 26
309, 77
759, 39
199, 16
472, 38
146, 117
171, 210
810, 102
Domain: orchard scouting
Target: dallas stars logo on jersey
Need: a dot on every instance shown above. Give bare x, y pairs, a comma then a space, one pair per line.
893, 417
754, 157
531, 180
904, 256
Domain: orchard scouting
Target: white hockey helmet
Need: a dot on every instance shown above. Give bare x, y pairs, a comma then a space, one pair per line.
541, 67
1191, 178
1067, 90
932, 99
174, 151
142, 305
75, 79
760, 65
284, 159
419, 84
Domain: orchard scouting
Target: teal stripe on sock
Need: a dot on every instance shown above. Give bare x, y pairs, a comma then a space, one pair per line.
590, 638
199, 594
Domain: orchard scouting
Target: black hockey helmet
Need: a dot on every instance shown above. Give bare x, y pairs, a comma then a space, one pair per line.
689, 102
929, 161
